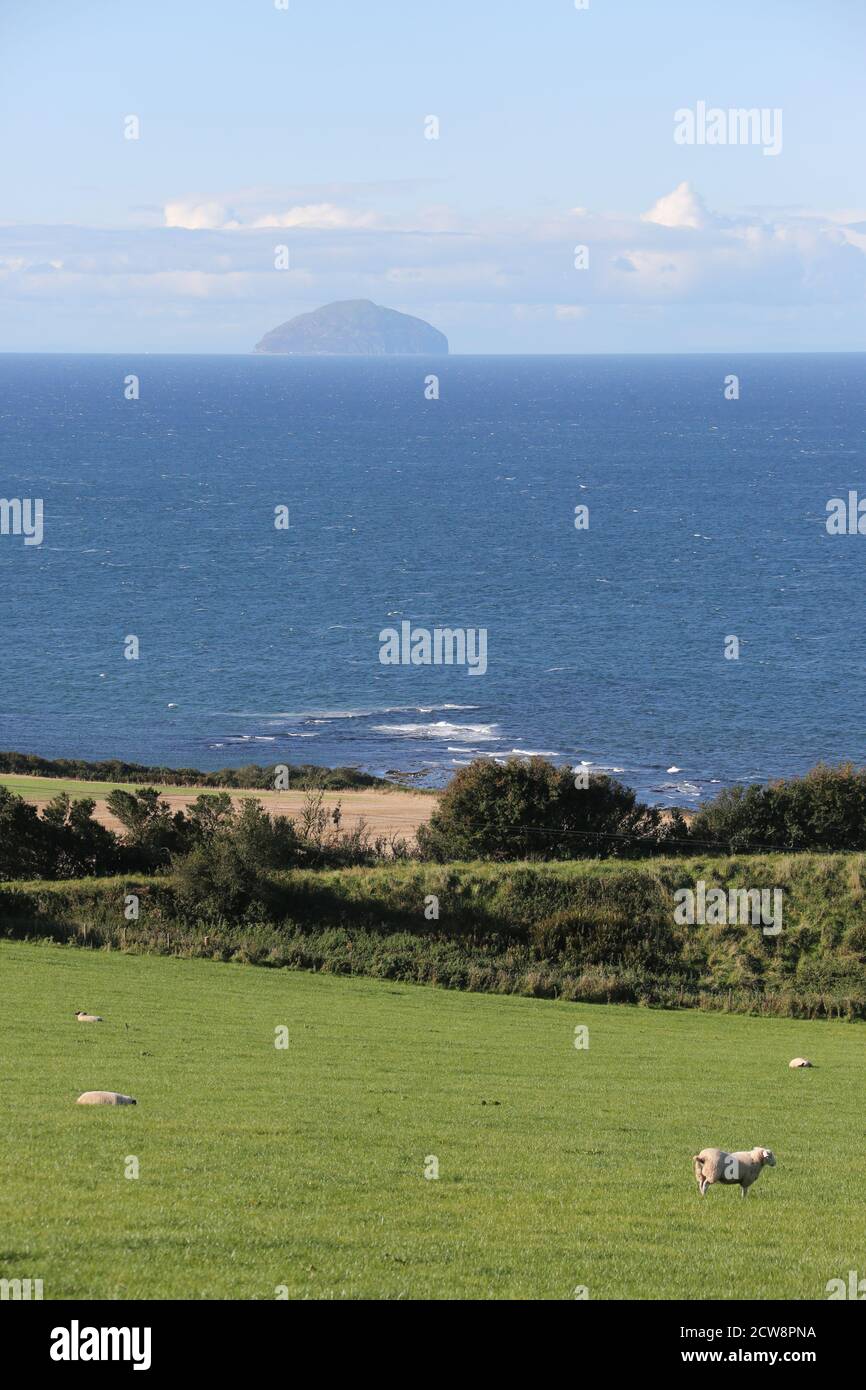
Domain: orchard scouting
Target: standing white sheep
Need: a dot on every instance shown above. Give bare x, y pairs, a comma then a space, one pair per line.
717, 1165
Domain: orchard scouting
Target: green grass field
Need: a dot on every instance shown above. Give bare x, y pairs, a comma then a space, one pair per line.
30, 787
304, 1167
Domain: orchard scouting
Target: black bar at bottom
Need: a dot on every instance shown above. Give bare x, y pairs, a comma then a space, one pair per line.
153, 1338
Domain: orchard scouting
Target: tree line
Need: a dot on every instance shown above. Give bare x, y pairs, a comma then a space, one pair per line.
251, 777
521, 810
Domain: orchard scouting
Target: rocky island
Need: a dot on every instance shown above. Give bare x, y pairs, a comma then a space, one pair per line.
354, 328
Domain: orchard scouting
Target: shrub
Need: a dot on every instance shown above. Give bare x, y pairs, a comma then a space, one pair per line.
532, 810
826, 809
215, 882
63, 842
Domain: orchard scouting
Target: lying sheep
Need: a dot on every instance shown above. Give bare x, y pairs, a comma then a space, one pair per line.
800, 1062
88, 1018
716, 1165
105, 1098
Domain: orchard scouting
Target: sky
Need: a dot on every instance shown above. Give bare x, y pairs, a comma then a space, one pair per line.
307, 127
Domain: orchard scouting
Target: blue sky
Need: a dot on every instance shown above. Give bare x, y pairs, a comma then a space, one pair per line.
305, 127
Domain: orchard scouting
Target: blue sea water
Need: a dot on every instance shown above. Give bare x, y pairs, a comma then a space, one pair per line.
605, 646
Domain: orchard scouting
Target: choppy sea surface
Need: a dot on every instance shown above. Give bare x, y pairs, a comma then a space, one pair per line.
605, 646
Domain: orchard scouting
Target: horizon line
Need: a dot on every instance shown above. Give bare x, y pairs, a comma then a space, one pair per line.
420, 356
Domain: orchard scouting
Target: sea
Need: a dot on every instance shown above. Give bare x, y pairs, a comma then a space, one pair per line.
257, 523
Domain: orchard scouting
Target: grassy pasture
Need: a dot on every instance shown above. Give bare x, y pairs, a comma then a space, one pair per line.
304, 1167
38, 788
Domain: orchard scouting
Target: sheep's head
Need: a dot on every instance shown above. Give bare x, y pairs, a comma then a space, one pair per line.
768, 1157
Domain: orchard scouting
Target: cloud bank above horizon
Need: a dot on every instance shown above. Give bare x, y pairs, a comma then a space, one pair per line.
209, 267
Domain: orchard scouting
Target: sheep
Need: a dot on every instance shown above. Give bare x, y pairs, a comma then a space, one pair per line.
88, 1018
104, 1098
800, 1062
716, 1165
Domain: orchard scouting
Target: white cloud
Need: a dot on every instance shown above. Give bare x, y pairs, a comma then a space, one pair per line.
198, 217
215, 216
682, 208
324, 215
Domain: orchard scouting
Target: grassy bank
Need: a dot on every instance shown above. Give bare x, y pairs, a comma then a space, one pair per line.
304, 1169
596, 932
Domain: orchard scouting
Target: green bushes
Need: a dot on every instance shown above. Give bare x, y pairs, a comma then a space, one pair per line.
529, 809
225, 874
826, 809
215, 882
532, 810
65, 841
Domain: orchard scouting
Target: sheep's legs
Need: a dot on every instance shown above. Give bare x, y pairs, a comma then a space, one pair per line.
703, 1185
